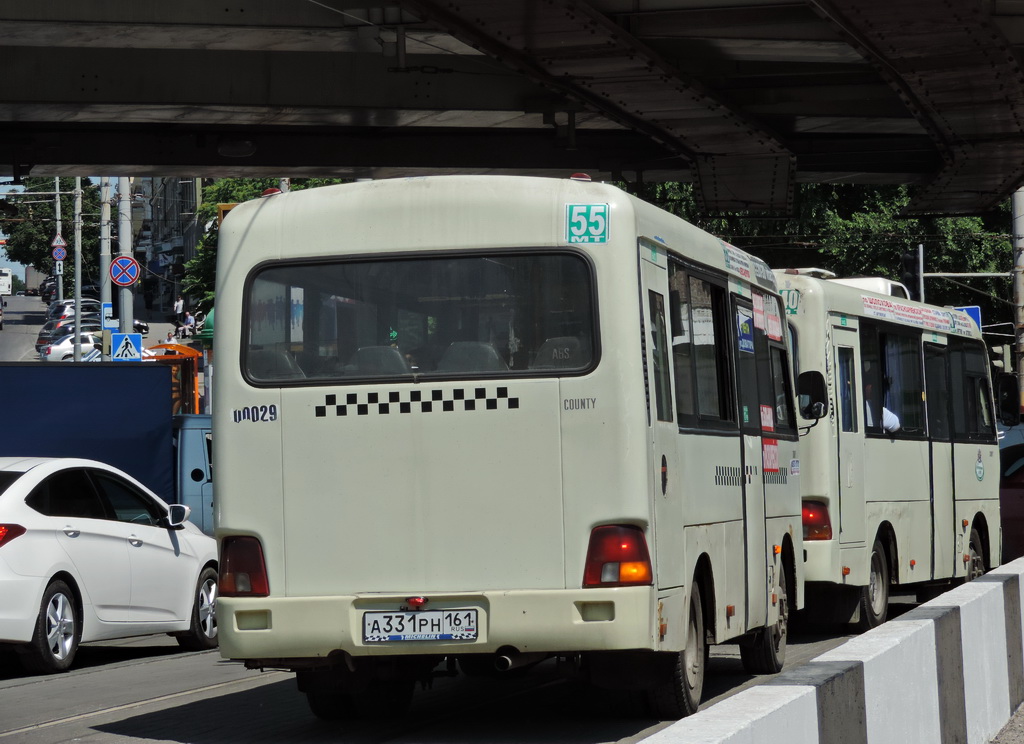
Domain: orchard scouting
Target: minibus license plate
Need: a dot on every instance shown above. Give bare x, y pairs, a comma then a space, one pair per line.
429, 625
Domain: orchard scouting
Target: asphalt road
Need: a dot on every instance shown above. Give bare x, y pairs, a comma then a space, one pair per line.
146, 690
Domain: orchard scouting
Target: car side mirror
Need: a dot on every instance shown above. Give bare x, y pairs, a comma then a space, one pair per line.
812, 395
177, 515
1008, 399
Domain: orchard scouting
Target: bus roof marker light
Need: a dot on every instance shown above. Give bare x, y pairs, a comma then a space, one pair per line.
579, 177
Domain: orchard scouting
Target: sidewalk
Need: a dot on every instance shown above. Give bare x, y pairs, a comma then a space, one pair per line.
1013, 731
159, 323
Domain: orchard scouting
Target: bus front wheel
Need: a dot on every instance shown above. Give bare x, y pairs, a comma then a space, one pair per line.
680, 682
874, 598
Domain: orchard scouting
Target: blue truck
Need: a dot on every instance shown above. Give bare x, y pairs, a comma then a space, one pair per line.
121, 413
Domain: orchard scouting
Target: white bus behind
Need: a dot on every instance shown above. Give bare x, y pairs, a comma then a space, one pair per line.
484, 421
900, 482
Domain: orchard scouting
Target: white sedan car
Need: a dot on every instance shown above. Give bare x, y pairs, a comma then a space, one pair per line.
63, 349
88, 553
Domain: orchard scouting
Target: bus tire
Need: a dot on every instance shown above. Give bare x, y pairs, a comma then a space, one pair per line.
766, 654
874, 598
976, 553
679, 684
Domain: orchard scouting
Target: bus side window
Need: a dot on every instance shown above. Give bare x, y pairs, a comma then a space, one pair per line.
847, 391
659, 353
972, 399
936, 375
710, 316
682, 344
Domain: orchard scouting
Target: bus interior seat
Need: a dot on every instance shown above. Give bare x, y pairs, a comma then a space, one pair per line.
273, 364
471, 356
378, 360
561, 352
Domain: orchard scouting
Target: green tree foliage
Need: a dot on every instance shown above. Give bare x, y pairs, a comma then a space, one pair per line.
201, 271
31, 231
858, 231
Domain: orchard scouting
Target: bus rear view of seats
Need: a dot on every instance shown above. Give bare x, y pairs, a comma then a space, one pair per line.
535, 419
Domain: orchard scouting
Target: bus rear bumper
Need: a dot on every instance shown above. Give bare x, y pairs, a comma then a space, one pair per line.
549, 621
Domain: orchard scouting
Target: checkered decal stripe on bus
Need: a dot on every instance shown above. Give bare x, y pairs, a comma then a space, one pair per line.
728, 476
780, 478
417, 401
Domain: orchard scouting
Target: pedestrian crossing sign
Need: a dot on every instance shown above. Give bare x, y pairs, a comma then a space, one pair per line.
126, 347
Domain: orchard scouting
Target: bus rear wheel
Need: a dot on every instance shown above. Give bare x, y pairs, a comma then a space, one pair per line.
680, 683
874, 598
766, 654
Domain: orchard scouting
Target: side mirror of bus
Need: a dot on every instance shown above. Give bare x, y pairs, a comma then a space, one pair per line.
812, 395
1008, 399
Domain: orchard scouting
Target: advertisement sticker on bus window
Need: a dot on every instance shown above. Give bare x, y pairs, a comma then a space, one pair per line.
773, 319
586, 223
745, 330
758, 310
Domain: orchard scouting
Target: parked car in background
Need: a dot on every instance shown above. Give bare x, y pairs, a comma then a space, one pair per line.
88, 553
63, 348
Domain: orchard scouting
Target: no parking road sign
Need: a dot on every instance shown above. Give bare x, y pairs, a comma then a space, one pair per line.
124, 271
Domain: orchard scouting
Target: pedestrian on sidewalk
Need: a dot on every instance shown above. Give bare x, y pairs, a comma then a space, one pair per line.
179, 310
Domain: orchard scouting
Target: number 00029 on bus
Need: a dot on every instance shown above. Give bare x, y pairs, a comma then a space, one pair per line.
432, 625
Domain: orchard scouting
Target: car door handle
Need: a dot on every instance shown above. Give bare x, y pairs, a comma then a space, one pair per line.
72, 532
135, 541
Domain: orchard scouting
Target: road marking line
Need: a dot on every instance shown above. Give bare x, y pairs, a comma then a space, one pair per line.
138, 704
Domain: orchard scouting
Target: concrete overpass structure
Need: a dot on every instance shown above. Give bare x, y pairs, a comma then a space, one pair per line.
743, 98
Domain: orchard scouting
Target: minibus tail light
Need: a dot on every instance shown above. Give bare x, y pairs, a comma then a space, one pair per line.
243, 571
817, 524
617, 556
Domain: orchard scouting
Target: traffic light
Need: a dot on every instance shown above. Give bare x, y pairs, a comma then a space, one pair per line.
911, 274
1001, 358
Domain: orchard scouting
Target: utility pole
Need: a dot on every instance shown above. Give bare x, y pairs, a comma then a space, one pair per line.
78, 268
124, 237
1017, 206
104, 240
56, 207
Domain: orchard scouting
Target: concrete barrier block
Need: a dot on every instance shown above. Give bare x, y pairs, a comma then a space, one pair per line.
899, 675
754, 716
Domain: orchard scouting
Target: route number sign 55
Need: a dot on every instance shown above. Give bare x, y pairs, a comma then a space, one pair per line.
586, 223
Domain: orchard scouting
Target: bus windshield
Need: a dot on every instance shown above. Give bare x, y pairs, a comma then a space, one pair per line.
456, 315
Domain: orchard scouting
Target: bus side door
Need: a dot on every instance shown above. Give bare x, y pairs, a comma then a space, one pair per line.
850, 473
937, 390
753, 418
